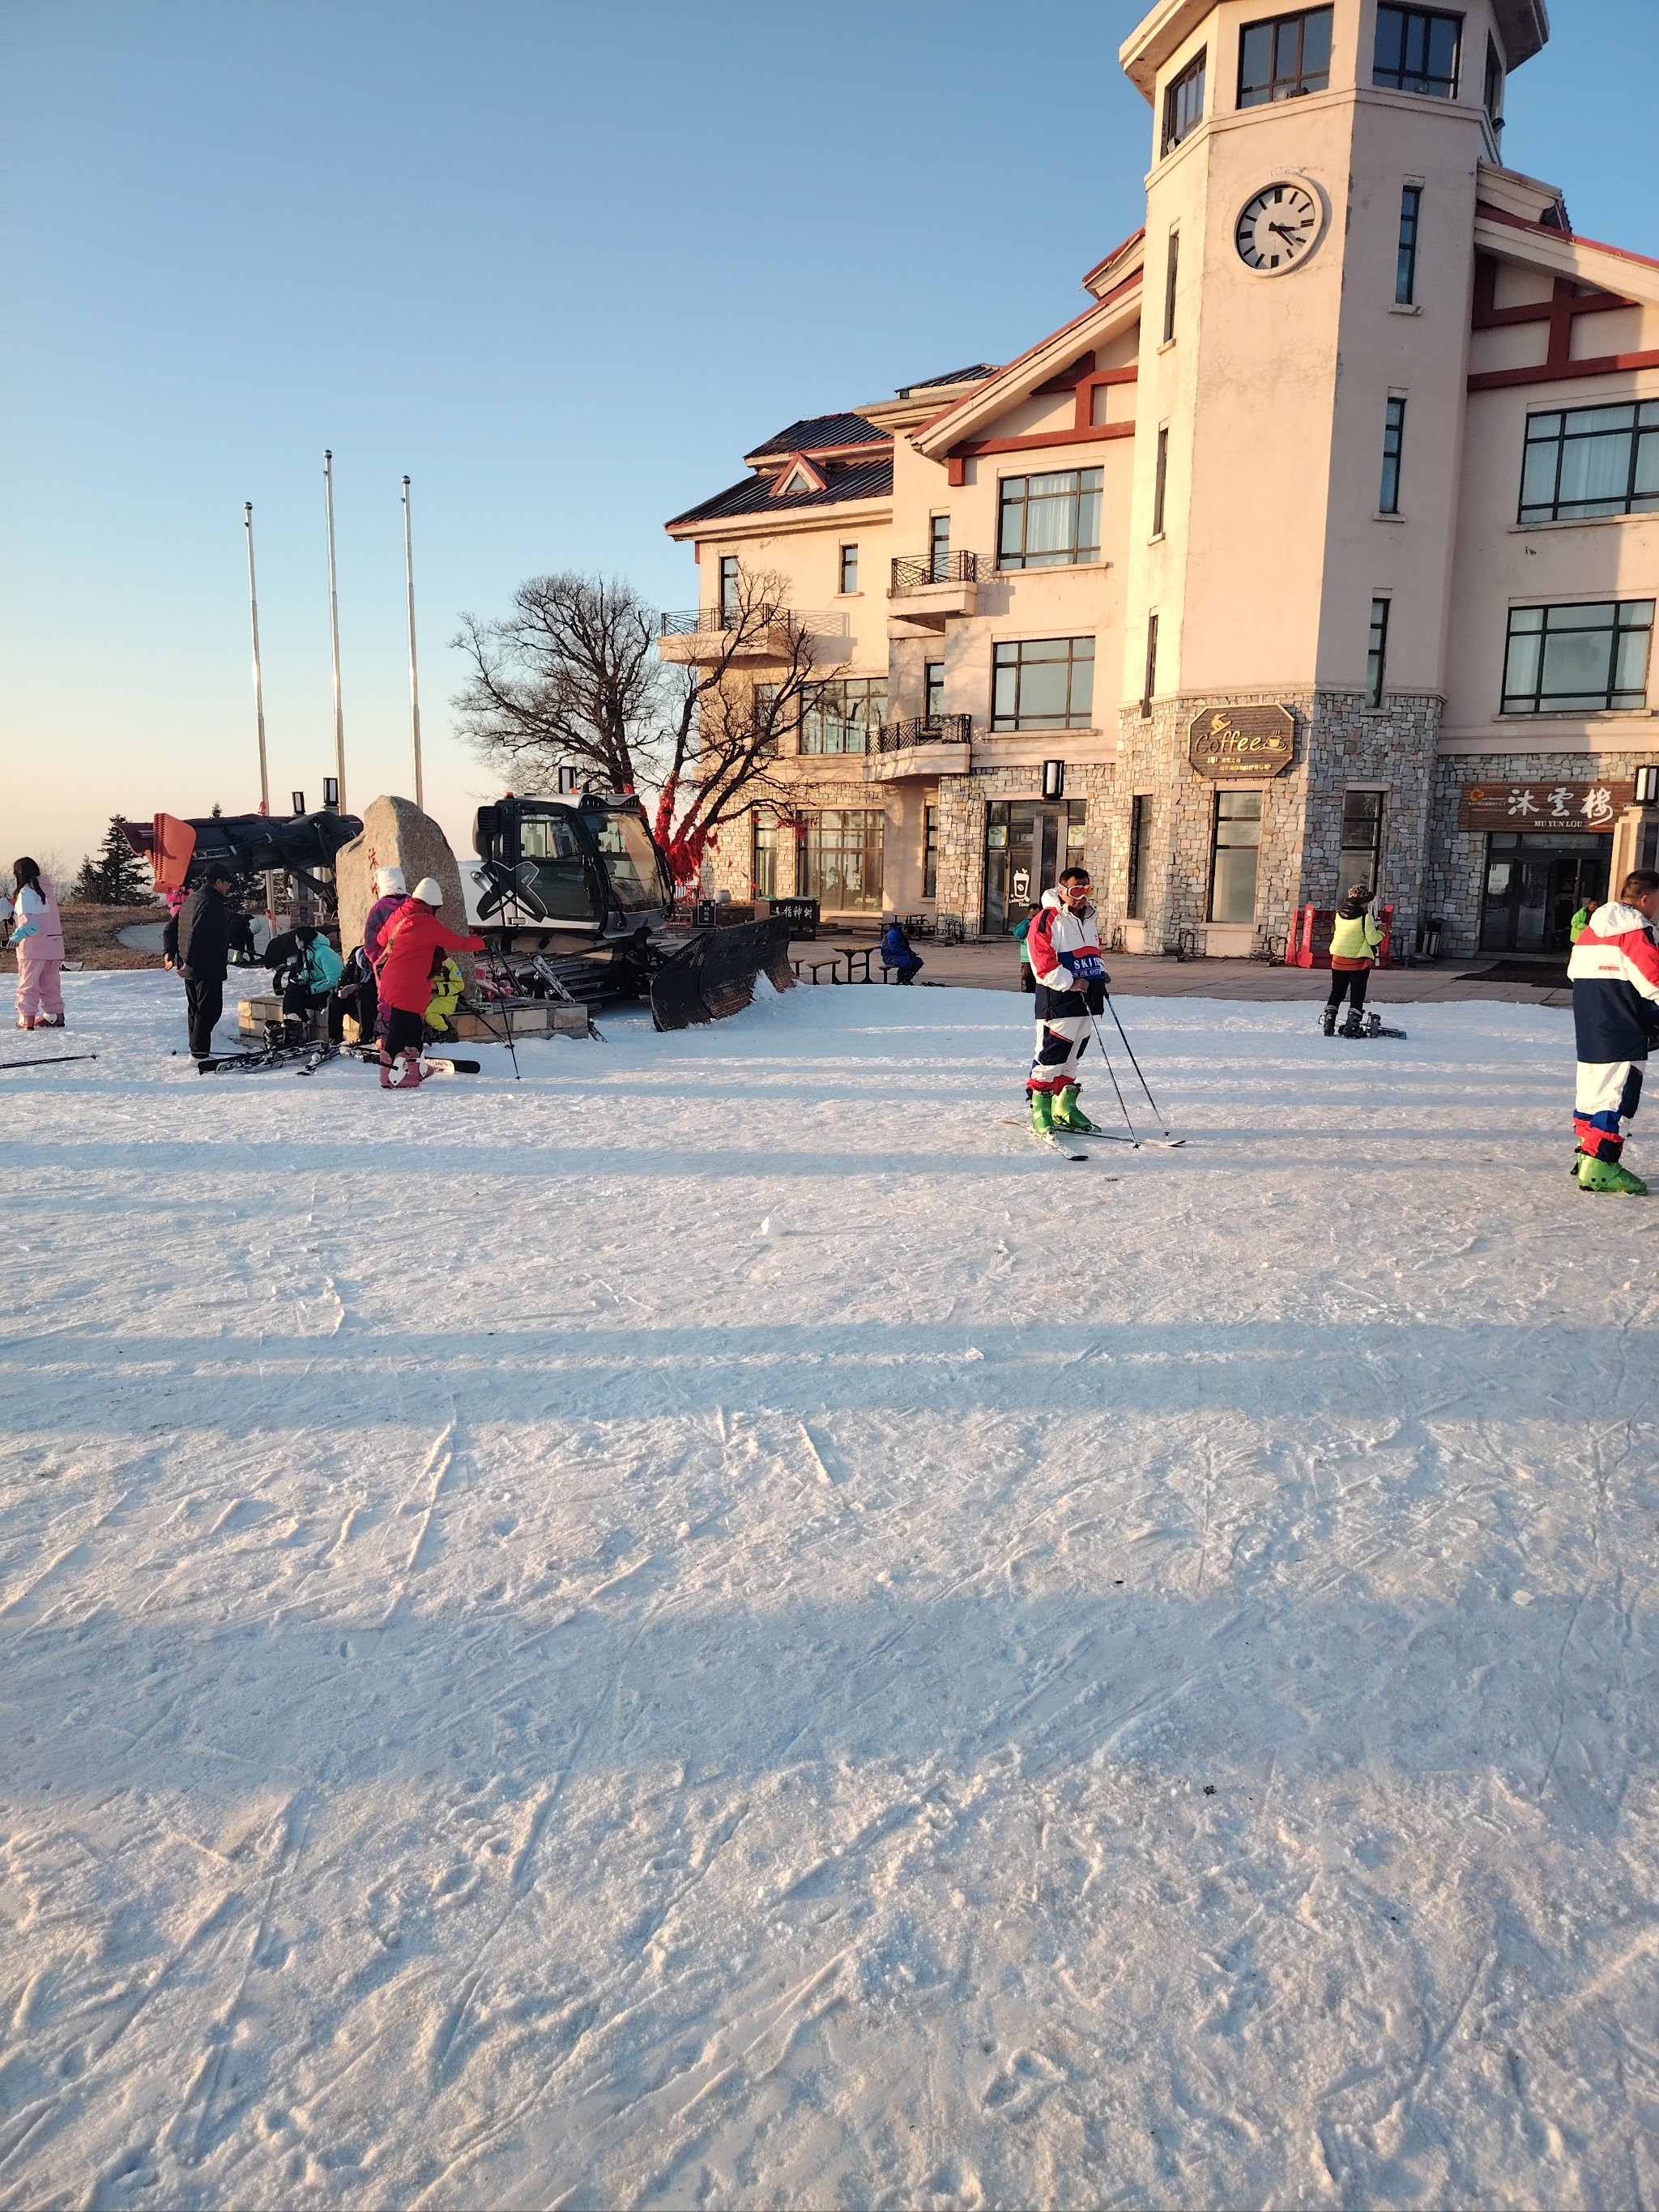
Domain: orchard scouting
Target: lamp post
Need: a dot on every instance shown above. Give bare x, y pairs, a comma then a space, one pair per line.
334, 623
258, 701
414, 675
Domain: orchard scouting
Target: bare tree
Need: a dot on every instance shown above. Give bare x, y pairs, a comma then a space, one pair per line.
571, 678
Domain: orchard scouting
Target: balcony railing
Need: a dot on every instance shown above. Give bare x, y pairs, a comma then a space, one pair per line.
915, 573
923, 729
700, 621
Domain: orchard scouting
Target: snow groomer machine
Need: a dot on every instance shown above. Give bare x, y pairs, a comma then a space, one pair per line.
575, 899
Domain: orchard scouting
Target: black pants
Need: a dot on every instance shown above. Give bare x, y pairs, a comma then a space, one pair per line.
297, 1000
204, 1002
1351, 982
360, 1001
401, 1031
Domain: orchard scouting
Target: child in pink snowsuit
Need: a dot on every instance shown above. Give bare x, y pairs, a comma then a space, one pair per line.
37, 941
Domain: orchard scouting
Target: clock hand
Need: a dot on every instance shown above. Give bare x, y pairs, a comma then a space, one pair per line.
1291, 237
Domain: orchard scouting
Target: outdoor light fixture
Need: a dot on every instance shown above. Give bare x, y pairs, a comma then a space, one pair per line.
299, 799
331, 791
1054, 779
1647, 787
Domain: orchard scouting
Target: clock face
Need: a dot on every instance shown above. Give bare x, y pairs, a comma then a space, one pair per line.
1277, 229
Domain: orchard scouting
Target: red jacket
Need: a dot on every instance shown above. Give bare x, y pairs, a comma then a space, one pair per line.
403, 975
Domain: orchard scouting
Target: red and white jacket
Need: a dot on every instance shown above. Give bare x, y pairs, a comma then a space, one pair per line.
1064, 949
1615, 970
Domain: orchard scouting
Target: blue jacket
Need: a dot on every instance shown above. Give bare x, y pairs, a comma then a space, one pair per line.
1614, 970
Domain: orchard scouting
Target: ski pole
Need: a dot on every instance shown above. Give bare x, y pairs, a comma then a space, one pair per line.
1112, 1073
1135, 1064
57, 1060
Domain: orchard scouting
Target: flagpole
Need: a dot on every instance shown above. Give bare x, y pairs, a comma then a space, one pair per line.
334, 630
414, 677
259, 699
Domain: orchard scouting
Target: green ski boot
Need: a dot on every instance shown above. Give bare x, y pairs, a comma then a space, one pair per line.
1607, 1175
1042, 1113
1070, 1116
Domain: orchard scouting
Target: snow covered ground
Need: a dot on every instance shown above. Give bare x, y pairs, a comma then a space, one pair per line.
717, 1626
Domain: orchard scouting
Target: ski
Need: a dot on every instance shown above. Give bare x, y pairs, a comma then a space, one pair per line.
279, 1055
1105, 1136
1052, 1143
452, 1067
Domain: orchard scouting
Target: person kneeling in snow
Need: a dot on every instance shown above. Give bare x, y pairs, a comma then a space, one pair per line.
1615, 970
404, 978
1064, 942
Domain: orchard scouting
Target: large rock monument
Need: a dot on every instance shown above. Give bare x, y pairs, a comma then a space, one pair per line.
396, 834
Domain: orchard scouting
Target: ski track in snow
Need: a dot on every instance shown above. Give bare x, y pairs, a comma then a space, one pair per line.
714, 1626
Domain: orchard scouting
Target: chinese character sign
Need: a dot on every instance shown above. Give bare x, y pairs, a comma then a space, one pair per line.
1538, 808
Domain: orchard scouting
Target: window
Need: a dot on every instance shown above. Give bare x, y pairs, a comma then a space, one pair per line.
1578, 660
769, 718
1140, 853
1284, 56
1493, 92
930, 852
1376, 654
841, 854
1043, 684
1360, 859
1235, 844
1405, 267
1183, 105
1149, 686
1050, 521
938, 549
728, 584
1416, 50
631, 862
551, 867
849, 568
763, 865
845, 716
1585, 462
1171, 271
934, 689
1160, 479
1393, 440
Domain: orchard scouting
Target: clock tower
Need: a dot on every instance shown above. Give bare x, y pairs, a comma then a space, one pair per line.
1309, 266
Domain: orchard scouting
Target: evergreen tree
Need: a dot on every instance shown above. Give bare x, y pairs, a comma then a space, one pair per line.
112, 876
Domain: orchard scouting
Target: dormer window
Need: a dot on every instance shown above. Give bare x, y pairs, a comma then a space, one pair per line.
798, 479
1284, 57
1183, 105
1416, 50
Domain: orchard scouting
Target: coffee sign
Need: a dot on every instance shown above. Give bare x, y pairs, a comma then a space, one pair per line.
1237, 745
1540, 806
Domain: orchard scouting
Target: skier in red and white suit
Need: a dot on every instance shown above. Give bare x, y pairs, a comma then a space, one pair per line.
1064, 944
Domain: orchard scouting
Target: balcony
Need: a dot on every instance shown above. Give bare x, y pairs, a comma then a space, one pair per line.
930, 589
920, 745
703, 637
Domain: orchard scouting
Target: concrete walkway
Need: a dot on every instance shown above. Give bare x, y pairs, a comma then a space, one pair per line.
994, 965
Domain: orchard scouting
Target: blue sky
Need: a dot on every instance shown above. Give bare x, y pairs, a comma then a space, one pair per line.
563, 264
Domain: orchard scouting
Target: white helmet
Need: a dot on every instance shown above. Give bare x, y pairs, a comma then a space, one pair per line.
429, 891
387, 880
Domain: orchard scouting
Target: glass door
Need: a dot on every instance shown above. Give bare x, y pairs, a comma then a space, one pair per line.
1534, 885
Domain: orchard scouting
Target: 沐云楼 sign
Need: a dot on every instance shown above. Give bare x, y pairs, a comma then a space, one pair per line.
1540, 806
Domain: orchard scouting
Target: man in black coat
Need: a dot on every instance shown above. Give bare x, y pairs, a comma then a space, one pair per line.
201, 948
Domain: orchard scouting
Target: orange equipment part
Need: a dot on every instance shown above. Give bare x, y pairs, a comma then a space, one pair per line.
170, 854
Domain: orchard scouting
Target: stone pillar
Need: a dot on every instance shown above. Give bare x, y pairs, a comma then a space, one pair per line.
396, 834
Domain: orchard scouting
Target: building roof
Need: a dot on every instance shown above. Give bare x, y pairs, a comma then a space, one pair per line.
821, 434
975, 375
872, 479
1524, 26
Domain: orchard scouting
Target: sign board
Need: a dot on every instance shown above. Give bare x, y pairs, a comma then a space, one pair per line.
1022, 883
801, 914
1542, 806
1237, 745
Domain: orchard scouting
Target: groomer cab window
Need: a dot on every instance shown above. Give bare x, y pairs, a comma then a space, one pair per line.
630, 861
551, 867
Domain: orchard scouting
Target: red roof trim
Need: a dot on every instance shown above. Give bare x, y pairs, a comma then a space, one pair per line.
1107, 259
967, 398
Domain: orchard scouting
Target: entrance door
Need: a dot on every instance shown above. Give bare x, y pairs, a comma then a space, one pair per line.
1535, 885
1026, 846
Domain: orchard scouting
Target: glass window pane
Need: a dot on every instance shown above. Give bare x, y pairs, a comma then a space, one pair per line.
1575, 664
1594, 469
1585, 421
1233, 898
1255, 51
1042, 691
1390, 30
1525, 618
1647, 464
1631, 665
1004, 691
1317, 44
1521, 668
1443, 48
1538, 475
1083, 684
1544, 426
1088, 520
